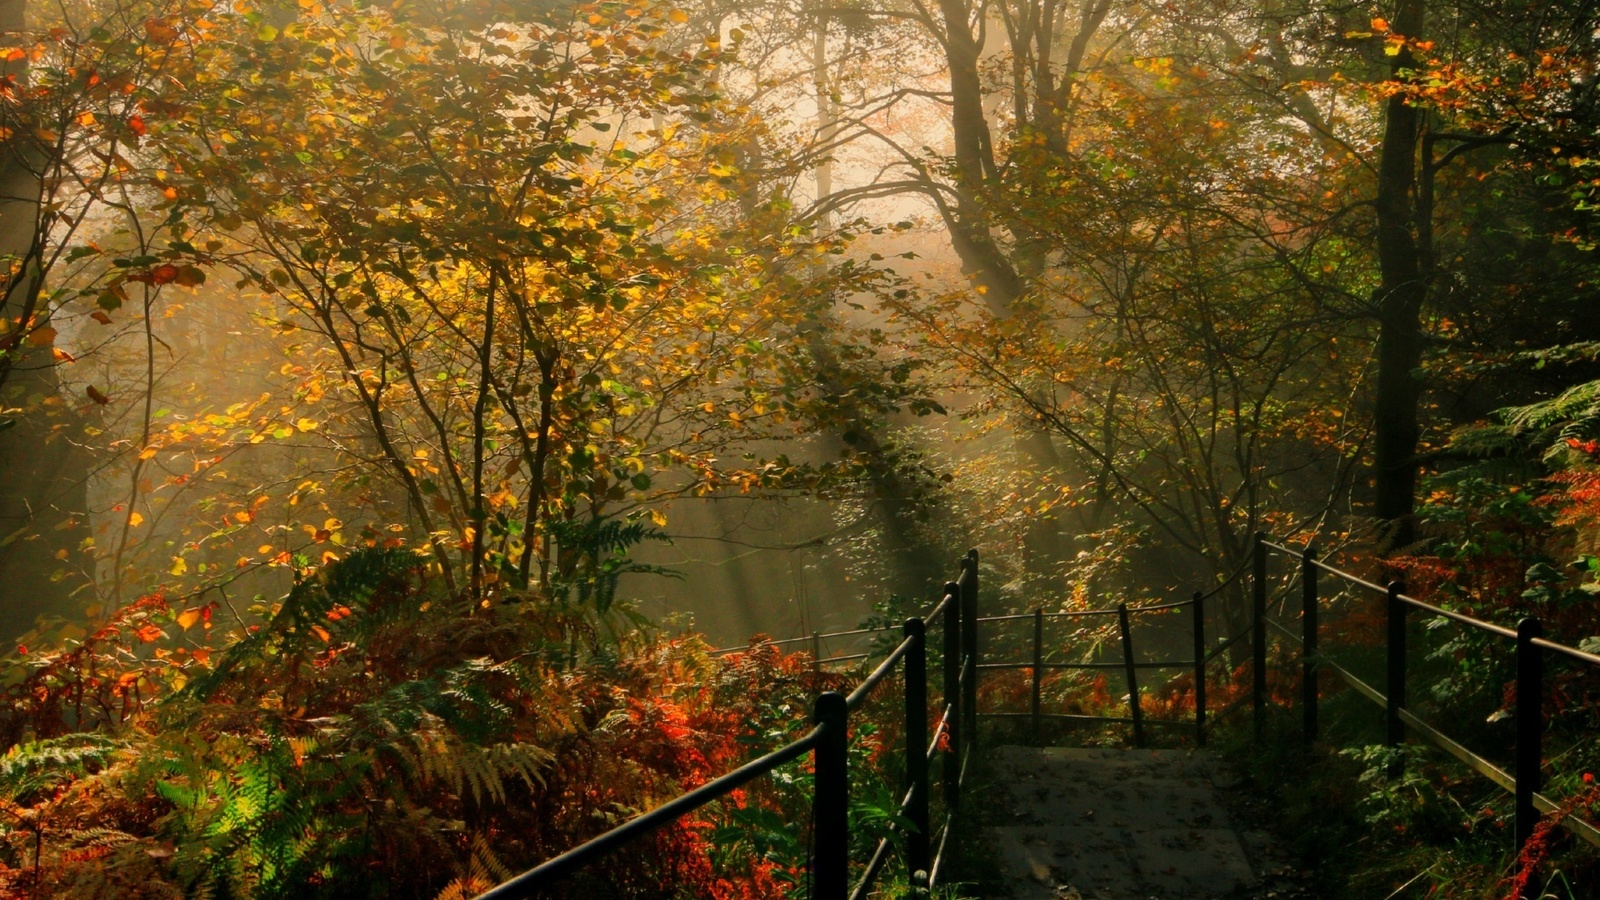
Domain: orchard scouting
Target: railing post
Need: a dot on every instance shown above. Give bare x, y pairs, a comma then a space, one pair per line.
1308, 645
1258, 631
1530, 727
918, 853
952, 696
1133, 680
969, 646
1038, 668
1394, 729
830, 810
1199, 669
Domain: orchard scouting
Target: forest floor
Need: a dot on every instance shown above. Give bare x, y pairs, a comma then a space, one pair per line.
1118, 824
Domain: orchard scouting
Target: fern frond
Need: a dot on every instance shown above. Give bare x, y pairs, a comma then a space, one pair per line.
34, 766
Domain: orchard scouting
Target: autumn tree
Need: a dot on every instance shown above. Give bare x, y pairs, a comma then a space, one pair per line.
68, 125
537, 290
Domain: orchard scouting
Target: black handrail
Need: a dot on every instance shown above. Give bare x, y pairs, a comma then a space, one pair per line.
828, 742
1525, 779
670, 811
956, 727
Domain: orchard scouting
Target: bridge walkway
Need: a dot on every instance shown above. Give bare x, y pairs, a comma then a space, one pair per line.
1113, 824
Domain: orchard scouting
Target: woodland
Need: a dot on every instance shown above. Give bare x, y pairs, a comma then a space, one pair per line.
362, 363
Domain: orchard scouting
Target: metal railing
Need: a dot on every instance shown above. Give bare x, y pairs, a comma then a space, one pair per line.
1200, 658
828, 743
1525, 779
956, 728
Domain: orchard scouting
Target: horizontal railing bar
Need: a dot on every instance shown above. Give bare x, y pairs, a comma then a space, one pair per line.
851, 658
1157, 607
858, 631
930, 618
1065, 614
871, 682
1367, 690
1353, 579
670, 811
1483, 767
1174, 664
1574, 652
1012, 618
1503, 631
879, 857
1072, 717
1569, 820
1503, 779
1289, 550
1458, 617
805, 638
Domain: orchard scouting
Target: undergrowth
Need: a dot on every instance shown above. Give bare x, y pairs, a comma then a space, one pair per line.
1432, 830
372, 736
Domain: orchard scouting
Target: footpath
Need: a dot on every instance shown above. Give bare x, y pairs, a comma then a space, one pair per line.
1108, 824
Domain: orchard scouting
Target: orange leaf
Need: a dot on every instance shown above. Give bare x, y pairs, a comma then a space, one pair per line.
1380, 24
61, 355
100, 317
96, 396
148, 633
43, 336
321, 633
188, 617
137, 126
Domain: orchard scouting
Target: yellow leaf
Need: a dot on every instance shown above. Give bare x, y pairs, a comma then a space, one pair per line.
187, 618
306, 425
677, 15
179, 565
86, 118
135, 520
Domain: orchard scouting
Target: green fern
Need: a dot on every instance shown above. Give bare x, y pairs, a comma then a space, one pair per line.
27, 769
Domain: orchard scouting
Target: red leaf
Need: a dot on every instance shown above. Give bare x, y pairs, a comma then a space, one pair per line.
96, 396
137, 126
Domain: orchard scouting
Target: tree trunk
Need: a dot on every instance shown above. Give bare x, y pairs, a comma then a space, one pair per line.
1403, 260
43, 472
